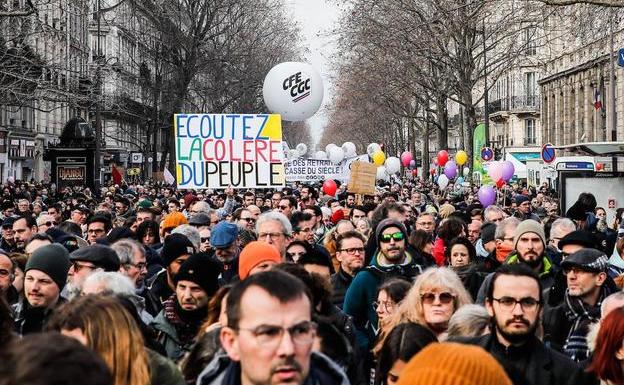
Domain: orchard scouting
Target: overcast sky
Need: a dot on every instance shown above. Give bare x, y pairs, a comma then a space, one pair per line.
316, 18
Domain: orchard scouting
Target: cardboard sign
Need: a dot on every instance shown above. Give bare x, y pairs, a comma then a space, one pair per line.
221, 150
363, 176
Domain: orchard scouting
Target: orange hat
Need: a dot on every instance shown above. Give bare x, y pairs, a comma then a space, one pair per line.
174, 219
254, 254
453, 364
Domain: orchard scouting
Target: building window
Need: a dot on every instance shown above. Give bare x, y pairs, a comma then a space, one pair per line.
530, 87
529, 132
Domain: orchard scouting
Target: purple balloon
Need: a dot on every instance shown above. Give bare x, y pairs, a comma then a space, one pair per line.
487, 195
508, 170
450, 169
412, 164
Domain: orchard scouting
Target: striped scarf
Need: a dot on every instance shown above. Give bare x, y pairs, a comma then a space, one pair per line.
581, 315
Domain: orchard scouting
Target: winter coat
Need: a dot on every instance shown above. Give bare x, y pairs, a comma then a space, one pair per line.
534, 363
340, 283
168, 337
223, 371
163, 371
31, 320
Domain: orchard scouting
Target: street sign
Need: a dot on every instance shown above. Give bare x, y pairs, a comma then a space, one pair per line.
548, 153
487, 153
621, 57
136, 157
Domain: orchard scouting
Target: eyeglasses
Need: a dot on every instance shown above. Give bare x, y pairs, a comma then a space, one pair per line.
78, 266
270, 336
573, 269
353, 250
283, 207
509, 303
273, 236
204, 239
249, 220
387, 306
48, 223
445, 298
138, 266
385, 238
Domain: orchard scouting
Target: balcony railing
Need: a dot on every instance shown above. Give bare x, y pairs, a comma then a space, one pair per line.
515, 103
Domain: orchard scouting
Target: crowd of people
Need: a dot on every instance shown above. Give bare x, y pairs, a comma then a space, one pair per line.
143, 284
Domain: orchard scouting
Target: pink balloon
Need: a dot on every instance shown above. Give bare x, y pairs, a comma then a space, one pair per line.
508, 170
487, 195
406, 158
495, 170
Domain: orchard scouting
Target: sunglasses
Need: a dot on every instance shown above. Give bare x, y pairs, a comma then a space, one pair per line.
249, 220
445, 298
203, 240
385, 238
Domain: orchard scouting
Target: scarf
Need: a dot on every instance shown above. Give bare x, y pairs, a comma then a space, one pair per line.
502, 253
186, 323
581, 315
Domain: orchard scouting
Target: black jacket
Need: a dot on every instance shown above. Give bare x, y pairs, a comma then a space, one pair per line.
340, 283
157, 293
534, 363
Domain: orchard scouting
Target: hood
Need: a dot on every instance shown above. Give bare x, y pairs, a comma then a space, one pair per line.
214, 372
324, 371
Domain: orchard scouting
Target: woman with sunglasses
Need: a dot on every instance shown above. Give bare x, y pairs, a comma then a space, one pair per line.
436, 294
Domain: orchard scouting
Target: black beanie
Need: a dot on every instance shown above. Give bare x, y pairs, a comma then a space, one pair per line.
53, 260
174, 246
202, 270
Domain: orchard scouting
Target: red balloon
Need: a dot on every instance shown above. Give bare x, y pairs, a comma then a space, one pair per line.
414, 172
500, 183
432, 171
329, 187
443, 157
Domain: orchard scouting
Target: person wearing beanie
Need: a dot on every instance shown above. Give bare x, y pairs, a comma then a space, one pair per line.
524, 209
176, 249
453, 364
184, 311
257, 257
45, 275
390, 259
171, 221
86, 261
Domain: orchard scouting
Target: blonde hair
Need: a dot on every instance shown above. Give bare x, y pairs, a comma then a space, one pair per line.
111, 332
411, 308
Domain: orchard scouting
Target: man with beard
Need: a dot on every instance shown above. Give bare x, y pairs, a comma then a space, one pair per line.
350, 254
391, 259
269, 336
185, 311
132, 263
224, 240
86, 261
566, 326
23, 229
514, 301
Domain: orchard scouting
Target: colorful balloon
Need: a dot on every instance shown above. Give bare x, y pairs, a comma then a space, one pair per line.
412, 164
450, 169
495, 170
461, 157
330, 187
487, 195
406, 158
415, 172
507, 170
443, 157
379, 158
443, 181
500, 183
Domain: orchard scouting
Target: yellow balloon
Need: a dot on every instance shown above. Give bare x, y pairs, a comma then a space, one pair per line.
461, 157
379, 158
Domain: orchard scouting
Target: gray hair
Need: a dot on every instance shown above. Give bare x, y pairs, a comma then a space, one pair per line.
111, 282
202, 207
501, 229
191, 233
490, 210
561, 226
276, 217
125, 249
617, 296
468, 321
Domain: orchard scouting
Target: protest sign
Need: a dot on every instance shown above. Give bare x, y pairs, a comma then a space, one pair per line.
221, 150
316, 170
363, 176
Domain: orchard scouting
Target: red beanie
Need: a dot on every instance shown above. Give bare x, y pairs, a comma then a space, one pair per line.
254, 254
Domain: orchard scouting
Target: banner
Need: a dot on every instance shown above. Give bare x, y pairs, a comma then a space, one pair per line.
221, 150
316, 170
479, 142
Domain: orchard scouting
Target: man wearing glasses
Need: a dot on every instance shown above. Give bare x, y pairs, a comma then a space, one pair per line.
87, 260
246, 220
269, 336
132, 262
514, 301
391, 259
350, 254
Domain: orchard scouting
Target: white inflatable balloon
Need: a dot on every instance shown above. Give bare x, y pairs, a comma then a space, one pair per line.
294, 90
393, 165
329, 147
349, 149
320, 155
466, 171
302, 149
336, 155
443, 181
381, 172
373, 148
293, 153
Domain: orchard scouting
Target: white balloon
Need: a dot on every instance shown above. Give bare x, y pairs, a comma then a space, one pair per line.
329, 147
336, 155
466, 171
443, 181
373, 148
381, 172
294, 90
349, 149
320, 155
293, 153
393, 165
302, 149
